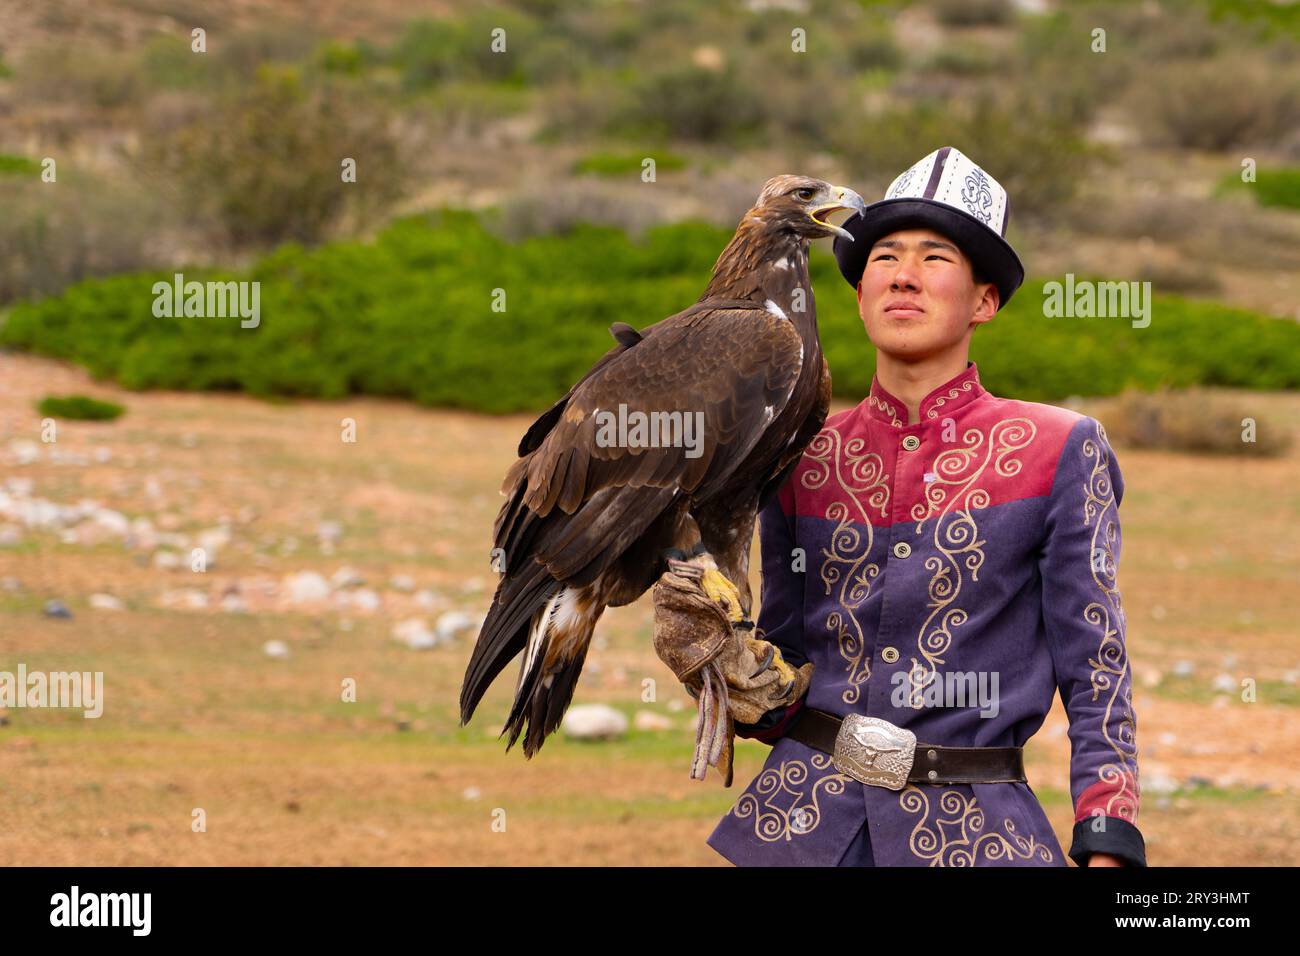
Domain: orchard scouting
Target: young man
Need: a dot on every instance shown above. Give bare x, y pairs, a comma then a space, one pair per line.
947, 561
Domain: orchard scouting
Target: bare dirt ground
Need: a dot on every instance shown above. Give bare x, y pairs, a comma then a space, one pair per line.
205, 713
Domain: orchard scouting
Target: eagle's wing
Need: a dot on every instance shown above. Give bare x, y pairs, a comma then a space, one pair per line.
574, 505
737, 367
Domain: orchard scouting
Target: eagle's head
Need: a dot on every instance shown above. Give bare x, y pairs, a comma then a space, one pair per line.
800, 204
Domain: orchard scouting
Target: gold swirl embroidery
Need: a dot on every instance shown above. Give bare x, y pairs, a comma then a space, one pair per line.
885, 407
845, 561
953, 838
953, 497
1110, 666
952, 393
801, 816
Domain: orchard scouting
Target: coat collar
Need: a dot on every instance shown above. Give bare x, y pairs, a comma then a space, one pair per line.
959, 390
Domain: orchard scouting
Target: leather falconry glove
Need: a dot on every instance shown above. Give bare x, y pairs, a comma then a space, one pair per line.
701, 635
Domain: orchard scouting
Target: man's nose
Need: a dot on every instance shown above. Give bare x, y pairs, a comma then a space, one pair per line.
904, 278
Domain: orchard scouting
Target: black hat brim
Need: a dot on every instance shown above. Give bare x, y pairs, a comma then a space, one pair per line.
992, 256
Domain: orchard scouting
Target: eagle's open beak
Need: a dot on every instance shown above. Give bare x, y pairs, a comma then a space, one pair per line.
845, 198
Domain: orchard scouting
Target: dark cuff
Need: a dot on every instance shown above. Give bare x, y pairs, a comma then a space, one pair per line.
771, 726
1120, 838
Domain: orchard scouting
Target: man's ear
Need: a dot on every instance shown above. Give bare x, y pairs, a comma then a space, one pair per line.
988, 303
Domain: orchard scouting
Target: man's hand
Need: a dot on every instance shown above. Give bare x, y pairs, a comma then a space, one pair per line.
733, 676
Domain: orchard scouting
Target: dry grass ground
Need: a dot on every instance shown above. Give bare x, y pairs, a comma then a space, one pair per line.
198, 716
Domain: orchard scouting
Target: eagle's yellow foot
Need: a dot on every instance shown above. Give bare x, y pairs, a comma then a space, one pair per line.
719, 589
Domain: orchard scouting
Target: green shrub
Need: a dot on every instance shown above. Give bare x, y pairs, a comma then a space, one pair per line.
1218, 104
80, 408
410, 315
627, 163
11, 165
265, 162
1193, 420
973, 13
1273, 186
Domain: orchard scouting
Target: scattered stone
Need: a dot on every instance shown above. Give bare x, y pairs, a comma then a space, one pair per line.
402, 582
363, 599
1225, 682
56, 608
1184, 668
649, 720
105, 602
429, 600
306, 587
415, 634
452, 624
276, 650
1159, 783
594, 722
25, 451
346, 577
166, 560
10, 535
676, 705
212, 540
471, 793
186, 599
233, 603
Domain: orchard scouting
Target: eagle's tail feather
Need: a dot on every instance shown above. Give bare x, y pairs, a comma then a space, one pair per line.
504, 632
557, 648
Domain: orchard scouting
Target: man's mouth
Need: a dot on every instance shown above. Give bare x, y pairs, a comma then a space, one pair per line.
903, 310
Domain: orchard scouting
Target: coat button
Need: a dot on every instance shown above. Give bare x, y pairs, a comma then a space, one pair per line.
889, 655
933, 775
911, 443
902, 549
932, 755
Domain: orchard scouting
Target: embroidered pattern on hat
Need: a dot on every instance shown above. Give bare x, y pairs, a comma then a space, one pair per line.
977, 196
900, 184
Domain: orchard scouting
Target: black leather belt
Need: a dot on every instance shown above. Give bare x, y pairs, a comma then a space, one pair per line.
876, 752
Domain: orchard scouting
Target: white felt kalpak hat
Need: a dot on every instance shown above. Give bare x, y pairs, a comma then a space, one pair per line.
950, 194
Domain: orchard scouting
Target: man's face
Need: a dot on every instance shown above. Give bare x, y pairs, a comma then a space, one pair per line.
918, 296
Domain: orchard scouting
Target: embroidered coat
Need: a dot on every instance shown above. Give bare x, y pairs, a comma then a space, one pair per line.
979, 544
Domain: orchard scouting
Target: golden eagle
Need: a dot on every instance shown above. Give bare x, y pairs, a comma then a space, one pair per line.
587, 520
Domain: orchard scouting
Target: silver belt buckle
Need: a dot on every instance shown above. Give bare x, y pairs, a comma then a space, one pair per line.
874, 751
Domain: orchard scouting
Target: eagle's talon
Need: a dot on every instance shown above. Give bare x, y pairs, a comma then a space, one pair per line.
723, 592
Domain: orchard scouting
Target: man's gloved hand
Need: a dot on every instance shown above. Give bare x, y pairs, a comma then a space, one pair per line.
732, 675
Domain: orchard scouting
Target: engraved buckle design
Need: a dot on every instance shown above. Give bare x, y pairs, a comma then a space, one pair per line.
874, 751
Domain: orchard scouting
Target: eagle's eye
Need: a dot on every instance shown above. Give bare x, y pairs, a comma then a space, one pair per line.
806, 193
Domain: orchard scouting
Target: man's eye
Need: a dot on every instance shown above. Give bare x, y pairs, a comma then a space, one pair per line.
944, 258
883, 255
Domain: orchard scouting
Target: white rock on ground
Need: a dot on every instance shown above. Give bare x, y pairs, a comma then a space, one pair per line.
452, 624
415, 634
276, 650
346, 577
305, 587
594, 722
105, 602
649, 720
